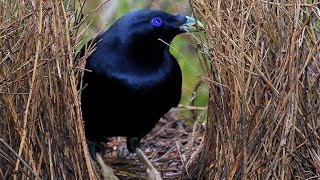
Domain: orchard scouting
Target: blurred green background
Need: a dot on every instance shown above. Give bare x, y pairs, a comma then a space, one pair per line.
113, 9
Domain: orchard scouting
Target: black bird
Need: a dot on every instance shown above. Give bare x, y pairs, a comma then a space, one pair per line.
133, 79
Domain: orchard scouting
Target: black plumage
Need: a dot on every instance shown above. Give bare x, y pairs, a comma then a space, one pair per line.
134, 80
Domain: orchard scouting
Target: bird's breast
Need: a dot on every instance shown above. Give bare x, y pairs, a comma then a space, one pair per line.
137, 78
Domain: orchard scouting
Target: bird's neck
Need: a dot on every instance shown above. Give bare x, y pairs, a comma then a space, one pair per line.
148, 52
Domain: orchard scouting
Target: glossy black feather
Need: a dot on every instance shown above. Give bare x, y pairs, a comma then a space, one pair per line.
134, 79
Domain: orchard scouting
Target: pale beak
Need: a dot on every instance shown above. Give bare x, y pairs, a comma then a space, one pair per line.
191, 25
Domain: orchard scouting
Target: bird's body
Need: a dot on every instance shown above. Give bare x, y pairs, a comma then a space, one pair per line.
133, 79
129, 99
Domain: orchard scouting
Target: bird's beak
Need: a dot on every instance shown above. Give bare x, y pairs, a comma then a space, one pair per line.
191, 25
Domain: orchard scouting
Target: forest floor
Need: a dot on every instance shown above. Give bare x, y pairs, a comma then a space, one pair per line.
168, 146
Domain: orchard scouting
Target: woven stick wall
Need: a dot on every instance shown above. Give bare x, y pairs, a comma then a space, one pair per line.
262, 64
40, 123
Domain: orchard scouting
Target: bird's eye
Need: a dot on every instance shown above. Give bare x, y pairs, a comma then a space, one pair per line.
157, 21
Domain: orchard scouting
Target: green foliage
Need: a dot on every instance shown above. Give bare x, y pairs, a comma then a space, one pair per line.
190, 69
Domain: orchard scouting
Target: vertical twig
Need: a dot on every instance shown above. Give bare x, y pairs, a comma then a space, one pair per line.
25, 116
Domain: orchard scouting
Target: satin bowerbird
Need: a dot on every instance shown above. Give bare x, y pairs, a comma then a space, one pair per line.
132, 78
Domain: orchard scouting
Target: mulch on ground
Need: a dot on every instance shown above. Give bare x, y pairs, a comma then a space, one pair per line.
169, 146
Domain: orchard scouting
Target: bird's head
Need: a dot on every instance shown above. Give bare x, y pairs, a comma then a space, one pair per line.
145, 26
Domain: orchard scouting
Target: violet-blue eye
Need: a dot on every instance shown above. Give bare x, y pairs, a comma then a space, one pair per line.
157, 21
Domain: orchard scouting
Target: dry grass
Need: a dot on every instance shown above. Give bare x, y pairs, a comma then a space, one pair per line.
262, 64
40, 121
